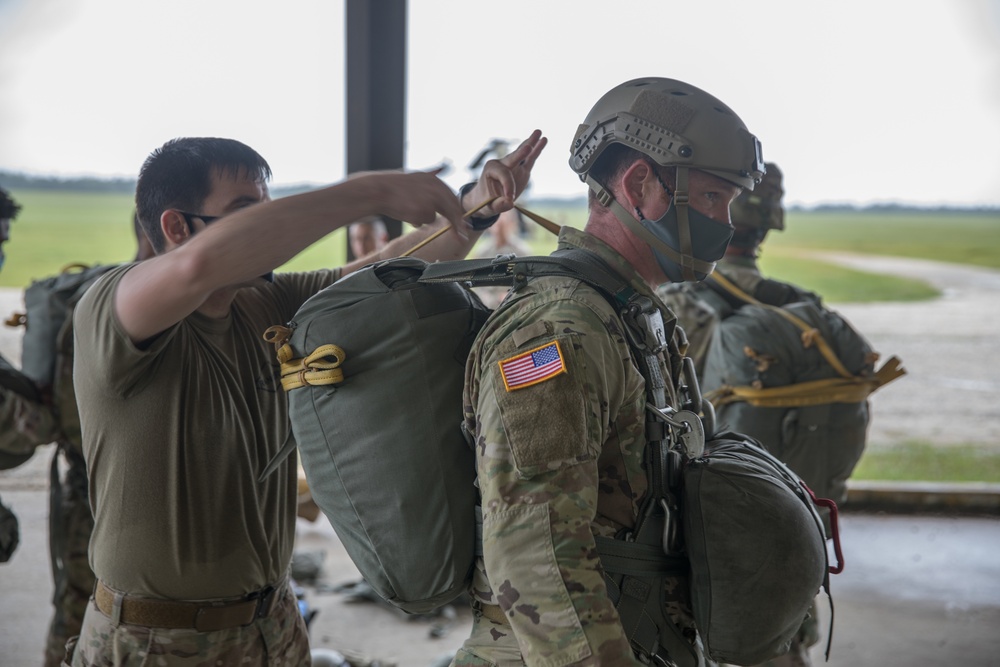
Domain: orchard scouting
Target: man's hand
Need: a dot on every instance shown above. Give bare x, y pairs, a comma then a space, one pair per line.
415, 197
506, 178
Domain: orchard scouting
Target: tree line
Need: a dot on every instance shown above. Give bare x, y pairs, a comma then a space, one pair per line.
20, 181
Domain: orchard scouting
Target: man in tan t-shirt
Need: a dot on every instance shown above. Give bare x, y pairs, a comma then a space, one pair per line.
180, 408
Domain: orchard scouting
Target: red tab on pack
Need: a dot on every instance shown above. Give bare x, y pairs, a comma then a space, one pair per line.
533, 366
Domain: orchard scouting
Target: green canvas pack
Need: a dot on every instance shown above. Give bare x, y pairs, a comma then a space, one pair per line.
796, 377
756, 550
381, 359
48, 304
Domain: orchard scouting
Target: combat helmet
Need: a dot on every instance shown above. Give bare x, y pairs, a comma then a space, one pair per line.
761, 208
676, 125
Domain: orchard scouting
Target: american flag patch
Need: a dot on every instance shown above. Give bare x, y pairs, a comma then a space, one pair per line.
533, 366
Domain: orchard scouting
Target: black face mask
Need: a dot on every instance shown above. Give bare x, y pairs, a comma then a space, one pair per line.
708, 241
686, 243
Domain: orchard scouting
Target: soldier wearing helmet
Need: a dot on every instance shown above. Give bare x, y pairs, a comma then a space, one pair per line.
754, 213
556, 402
700, 309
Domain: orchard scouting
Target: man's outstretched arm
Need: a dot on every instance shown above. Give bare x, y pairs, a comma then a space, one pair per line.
252, 241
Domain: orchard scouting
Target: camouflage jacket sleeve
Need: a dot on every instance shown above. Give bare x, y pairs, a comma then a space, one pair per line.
24, 424
537, 448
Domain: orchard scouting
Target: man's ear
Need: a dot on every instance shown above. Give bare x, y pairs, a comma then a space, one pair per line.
637, 185
174, 227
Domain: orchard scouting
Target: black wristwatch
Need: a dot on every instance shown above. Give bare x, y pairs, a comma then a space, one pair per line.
478, 224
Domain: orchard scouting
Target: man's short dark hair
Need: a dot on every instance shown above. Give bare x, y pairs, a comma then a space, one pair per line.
613, 162
179, 175
8, 207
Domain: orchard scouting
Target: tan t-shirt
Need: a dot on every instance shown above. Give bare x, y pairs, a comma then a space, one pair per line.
175, 437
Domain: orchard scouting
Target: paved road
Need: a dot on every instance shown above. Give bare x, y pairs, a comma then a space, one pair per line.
948, 346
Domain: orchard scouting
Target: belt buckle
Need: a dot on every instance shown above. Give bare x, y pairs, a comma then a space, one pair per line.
264, 597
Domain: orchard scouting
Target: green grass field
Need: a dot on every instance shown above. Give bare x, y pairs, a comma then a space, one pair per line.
929, 462
56, 228
965, 238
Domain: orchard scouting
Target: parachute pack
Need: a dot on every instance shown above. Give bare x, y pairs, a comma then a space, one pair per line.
48, 303
795, 376
374, 369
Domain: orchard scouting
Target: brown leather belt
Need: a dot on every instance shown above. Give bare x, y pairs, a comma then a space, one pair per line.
203, 617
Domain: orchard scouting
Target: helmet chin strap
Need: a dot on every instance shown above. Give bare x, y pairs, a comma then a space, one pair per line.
684, 259
684, 224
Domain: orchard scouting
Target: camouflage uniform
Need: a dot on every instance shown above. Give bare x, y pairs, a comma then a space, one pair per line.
699, 319
24, 424
279, 639
70, 519
558, 462
27, 424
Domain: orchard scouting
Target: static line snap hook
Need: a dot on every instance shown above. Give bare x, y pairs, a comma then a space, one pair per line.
666, 414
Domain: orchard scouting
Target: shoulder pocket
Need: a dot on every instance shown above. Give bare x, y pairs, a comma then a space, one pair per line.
539, 386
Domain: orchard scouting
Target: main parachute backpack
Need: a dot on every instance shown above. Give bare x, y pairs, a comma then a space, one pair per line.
796, 377
374, 368
48, 303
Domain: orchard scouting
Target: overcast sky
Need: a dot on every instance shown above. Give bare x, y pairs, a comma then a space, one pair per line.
857, 100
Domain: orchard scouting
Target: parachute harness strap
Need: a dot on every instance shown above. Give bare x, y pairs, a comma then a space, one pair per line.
848, 388
320, 367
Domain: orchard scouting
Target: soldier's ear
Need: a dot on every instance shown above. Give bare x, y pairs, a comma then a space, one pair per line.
174, 227
636, 184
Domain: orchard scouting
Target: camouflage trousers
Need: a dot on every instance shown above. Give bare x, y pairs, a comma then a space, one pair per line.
70, 526
278, 640
490, 644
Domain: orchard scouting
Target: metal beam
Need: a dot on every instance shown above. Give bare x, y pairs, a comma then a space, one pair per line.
376, 88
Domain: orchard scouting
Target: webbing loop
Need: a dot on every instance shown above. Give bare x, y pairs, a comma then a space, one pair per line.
321, 367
